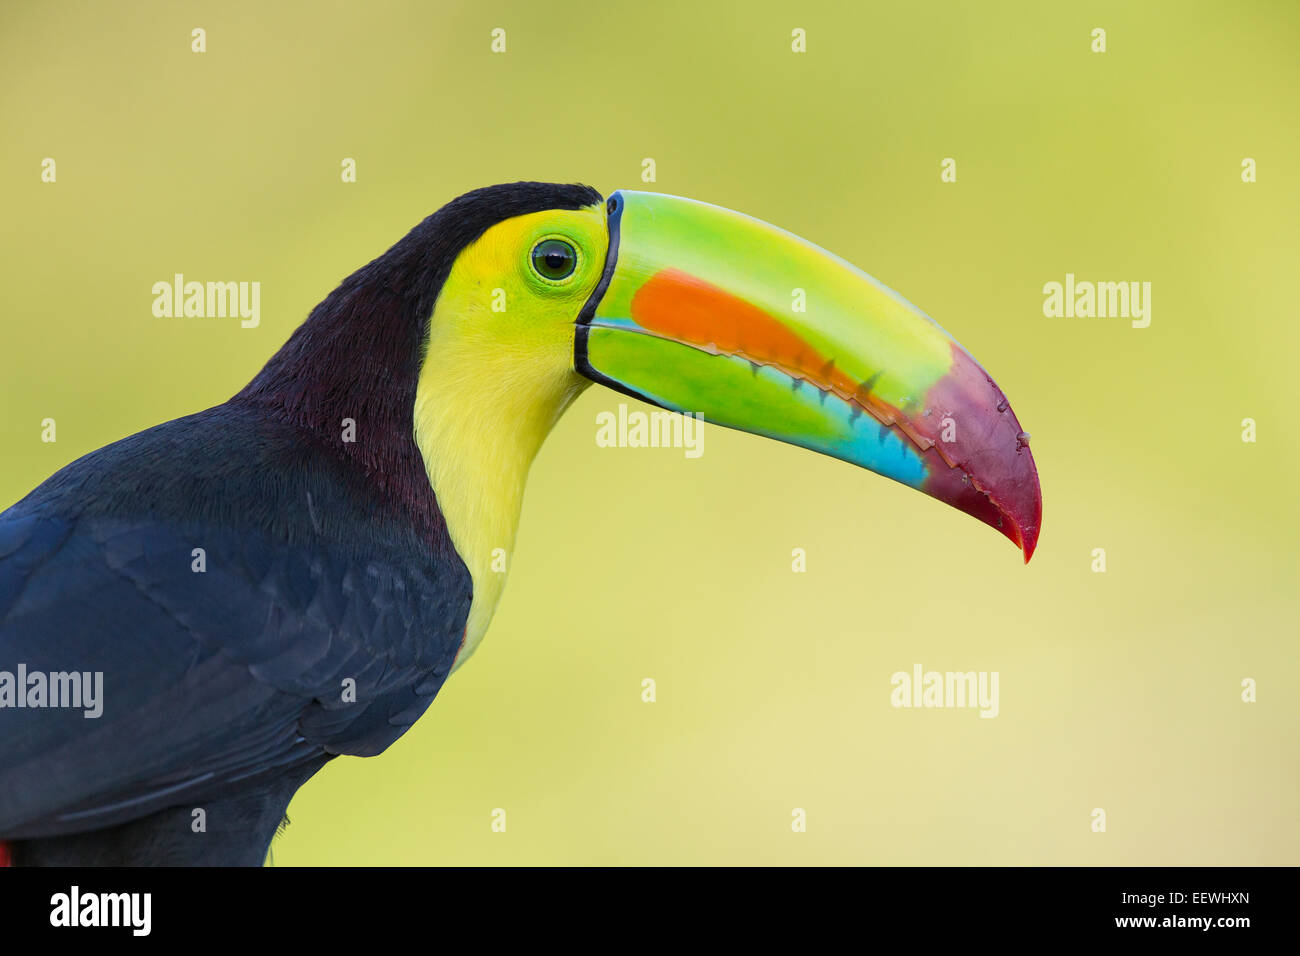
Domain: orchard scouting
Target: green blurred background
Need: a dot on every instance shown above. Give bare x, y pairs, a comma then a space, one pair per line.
1119, 690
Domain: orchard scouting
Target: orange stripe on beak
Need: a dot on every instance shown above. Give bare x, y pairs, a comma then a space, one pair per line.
678, 306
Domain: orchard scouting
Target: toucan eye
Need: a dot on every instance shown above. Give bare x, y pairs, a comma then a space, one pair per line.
554, 259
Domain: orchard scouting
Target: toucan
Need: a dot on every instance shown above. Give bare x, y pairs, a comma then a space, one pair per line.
196, 618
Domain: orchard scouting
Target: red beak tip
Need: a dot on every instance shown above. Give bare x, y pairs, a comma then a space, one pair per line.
1027, 533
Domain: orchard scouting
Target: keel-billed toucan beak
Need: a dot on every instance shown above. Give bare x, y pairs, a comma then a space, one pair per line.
701, 309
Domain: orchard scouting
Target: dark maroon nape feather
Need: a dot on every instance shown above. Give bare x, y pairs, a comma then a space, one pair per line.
358, 355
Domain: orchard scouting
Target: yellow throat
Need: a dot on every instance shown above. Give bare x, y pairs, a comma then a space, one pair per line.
497, 375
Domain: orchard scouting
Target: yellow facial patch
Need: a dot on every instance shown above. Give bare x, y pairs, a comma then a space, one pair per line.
497, 375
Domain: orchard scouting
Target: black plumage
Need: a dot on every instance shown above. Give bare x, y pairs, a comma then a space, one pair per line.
326, 562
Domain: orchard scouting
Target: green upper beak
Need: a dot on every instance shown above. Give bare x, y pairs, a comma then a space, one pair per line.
701, 309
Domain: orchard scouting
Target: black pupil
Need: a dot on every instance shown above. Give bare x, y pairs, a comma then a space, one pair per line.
554, 259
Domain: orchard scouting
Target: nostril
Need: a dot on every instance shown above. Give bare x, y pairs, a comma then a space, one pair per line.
612, 205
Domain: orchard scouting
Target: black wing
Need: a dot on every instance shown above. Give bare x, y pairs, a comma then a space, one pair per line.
316, 626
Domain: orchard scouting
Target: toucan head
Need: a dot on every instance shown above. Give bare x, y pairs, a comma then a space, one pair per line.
479, 328
696, 308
